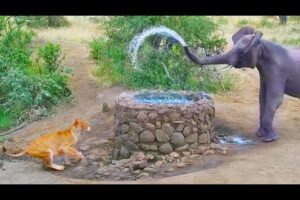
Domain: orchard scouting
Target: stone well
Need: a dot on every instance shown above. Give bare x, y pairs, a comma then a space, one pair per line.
161, 122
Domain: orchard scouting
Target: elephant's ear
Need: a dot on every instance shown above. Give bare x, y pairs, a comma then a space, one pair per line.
240, 33
254, 42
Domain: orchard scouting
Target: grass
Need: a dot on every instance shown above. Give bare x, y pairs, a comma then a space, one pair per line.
5, 121
80, 30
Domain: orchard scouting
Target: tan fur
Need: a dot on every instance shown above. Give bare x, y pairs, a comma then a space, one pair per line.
56, 143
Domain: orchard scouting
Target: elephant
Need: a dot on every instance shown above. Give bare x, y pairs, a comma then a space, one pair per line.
278, 67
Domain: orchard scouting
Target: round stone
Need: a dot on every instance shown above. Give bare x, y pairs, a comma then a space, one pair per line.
142, 116
187, 131
166, 148
177, 139
146, 137
167, 128
161, 136
124, 128
150, 126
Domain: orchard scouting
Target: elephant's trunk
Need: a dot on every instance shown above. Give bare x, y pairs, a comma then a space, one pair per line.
218, 59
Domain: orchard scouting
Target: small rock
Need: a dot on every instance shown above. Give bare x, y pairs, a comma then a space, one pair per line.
187, 131
116, 153
147, 136
67, 163
114, 161
153, 147
106, 174
134, 137
149, 170
167, 128
145, 147
149, 157
138, 156
208, 152
161, 136
195, 129
177, 139
191, 138
125, 170
135, 127
174, 154
152, 115
165, 118
158, 163
170, 169
203, 139
183, 159
180, 164
100, 142
166, 148
194, 156
178, 122
143, 175
182, 148
194, 146
174, 116
132, 146
84, 147
137, 171
193, 122
122, 163
170, 159
124, 153
150, 126
124, 128
180, 127
186, 154
158, 124
139, 164
142, 116
105, 107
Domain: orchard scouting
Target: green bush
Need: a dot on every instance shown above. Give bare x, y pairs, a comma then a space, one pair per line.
28, 84
160, 68
51, 56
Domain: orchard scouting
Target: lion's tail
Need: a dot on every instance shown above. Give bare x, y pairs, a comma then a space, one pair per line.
13, 155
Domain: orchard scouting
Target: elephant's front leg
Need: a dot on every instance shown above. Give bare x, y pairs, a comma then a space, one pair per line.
262, 102
274, 97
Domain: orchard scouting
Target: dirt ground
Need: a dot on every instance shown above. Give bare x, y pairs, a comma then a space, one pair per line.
237, 111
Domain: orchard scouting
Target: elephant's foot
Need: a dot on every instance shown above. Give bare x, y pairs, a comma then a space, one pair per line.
260, 132
270, 137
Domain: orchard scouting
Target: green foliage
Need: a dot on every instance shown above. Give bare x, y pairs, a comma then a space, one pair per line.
46, 21
266, 22
292, 41
51, 56
2, 138
246, 22
26, 84
5, 120
160, 68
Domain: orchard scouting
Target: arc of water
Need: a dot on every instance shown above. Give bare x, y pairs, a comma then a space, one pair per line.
140, 38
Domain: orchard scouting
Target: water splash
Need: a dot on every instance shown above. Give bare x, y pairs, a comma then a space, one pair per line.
234, 139
138, 40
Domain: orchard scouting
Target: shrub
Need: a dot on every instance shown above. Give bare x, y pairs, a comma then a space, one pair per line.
160, 68
50, 55
27, 84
